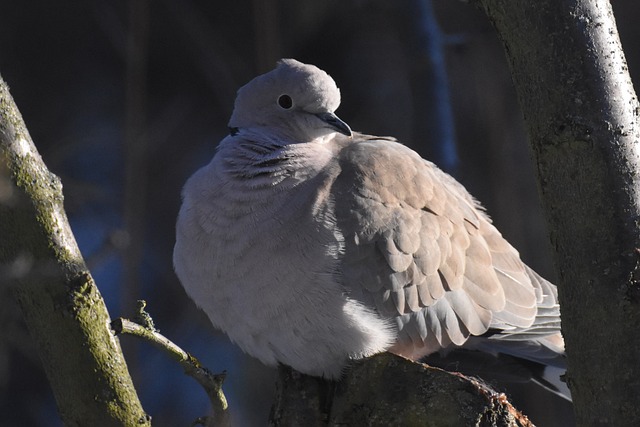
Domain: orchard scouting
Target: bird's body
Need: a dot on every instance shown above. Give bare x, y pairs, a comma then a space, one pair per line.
310, 245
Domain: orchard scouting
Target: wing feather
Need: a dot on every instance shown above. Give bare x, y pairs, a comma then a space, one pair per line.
428, 256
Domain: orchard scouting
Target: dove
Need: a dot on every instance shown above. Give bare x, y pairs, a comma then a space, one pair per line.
312, 245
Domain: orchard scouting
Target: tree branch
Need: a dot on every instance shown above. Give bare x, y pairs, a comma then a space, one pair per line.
388, 390
581, 114
63, 308
211, 383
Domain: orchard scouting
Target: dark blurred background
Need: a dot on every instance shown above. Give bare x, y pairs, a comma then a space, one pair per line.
125, 99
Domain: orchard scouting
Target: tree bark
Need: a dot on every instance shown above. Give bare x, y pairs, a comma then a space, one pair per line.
581, 114
386, 390
63, 308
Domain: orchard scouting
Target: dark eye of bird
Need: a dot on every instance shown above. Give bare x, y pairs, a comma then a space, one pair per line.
285, 102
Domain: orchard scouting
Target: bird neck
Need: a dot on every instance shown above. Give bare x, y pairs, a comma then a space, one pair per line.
272, 161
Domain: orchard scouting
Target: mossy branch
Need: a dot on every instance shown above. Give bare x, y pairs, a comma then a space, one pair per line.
62, 306
390, 390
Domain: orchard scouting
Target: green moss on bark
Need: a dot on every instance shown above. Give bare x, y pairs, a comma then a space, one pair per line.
62, 306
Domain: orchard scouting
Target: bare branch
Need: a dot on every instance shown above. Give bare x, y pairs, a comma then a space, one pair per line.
212, 383
581, 113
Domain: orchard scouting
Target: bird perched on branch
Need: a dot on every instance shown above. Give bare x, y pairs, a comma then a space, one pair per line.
312, 245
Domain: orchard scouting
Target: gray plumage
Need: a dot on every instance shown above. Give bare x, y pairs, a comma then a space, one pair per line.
311, 245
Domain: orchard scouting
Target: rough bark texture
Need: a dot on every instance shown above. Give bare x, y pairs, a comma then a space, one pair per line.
388, 390
581, 114
63, 308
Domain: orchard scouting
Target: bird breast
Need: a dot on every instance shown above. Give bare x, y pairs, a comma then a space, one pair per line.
263, 265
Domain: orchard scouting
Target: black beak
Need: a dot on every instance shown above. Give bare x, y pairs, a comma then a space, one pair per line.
335, 123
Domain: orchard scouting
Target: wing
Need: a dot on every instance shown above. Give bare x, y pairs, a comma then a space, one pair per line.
421, 250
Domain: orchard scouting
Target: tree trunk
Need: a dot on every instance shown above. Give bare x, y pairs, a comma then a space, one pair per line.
63, 308
581, 113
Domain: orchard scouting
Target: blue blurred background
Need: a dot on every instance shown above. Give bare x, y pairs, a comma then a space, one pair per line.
125, 99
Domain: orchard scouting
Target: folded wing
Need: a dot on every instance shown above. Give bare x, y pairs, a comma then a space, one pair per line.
422, 250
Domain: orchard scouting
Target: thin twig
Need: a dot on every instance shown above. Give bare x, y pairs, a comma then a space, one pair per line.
212, 383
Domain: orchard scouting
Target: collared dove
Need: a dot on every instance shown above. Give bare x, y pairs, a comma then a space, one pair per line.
311, 245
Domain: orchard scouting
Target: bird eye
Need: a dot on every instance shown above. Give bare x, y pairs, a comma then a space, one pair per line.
285, 101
